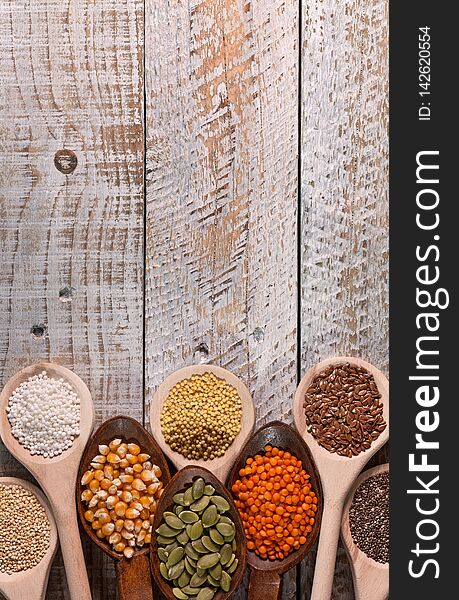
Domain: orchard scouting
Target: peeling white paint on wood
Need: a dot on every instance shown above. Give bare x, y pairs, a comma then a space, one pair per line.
344, 172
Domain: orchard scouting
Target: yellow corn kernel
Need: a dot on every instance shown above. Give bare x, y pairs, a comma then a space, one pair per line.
132, 460
138, 525
114, 444
112, 490
147, 465
119, 525
96, 525
127, 535
113, 458
120, 508
148, 538
142, 535
93, 502
99, 534
119, 547
105, 483
128, 552
94, 485
102, 495
157, 471
143, 457
134, 449
97, 466
108, 471
86, 495
146, 525
100, 458
126, 478
115, 538
108, 529
99, 475
145, 513
139, 485
135, 494
123, 463
89, 516
132, 513
147, 476
129, 525
137, 469
126, 496
103, 449
145, 501
122, 451
87, 476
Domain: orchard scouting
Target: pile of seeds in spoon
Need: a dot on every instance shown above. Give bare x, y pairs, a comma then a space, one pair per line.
25, 531
122, 490
343, 409
196, 543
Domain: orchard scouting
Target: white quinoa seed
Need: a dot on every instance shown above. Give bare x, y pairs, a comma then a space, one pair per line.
44, 414
25, 531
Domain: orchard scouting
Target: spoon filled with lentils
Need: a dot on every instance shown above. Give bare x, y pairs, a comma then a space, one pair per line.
341, 409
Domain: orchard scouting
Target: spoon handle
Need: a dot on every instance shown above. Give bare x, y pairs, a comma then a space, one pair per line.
326, 553
72, 551
264, 585
134, 579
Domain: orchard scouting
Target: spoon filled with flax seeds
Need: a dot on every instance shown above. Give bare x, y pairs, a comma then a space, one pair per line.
341, 409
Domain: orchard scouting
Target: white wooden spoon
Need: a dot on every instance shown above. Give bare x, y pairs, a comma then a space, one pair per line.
337, 473
219, 466
57, 476
31, 584
371, 578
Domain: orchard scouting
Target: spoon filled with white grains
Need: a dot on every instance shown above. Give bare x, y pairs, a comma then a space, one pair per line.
28, 540
46, 417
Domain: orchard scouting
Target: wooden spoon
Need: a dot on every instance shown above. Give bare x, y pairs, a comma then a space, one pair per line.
265, 577
57, 475
219, 466
338, 473
178, 483
133, 574
31, 584
371, 578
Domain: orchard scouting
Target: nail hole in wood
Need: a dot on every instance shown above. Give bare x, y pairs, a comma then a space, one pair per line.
66, 293
38, 331
258, 334
65, 161
201, 353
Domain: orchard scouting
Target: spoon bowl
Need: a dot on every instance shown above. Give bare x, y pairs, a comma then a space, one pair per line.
31, 584
219, 466
133, 574
371, 578
57, 475
178, 483
338, 473
265, 579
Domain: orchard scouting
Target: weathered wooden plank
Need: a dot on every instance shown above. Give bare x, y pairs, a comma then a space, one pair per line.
222, 111
344, 172
72, 245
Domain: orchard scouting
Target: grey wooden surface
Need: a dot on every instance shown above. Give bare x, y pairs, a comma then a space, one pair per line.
229, 204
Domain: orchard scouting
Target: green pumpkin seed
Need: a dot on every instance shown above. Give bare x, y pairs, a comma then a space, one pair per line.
164, 541
225, 554
197, 580
230, 562
162, 555
209, 560
177, 570
191, 552
191, 591
233, 567
225, 529
178, 509
216, 537
171, 547
205, 594
175, 583
175, 556
221, 503
196, 531
210, 516
225, 519
199, 547
200, 504
188, 497
209, 544
209, 490
188, 516
216, 571
179, 594
213, 581
165, 531
234, 545
178, 499
184, 579
173, 521
183, 538
189, 566
198, 488
201, 572
164, 570
188, 529
225, 581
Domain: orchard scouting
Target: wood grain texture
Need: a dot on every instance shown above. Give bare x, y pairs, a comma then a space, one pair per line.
222, 124
344, 194
71, 77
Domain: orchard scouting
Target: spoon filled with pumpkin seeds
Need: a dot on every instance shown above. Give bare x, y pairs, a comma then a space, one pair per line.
200, 549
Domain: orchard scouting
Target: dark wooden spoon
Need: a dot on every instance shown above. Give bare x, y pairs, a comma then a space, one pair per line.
178, 483
265, 577
133, 574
